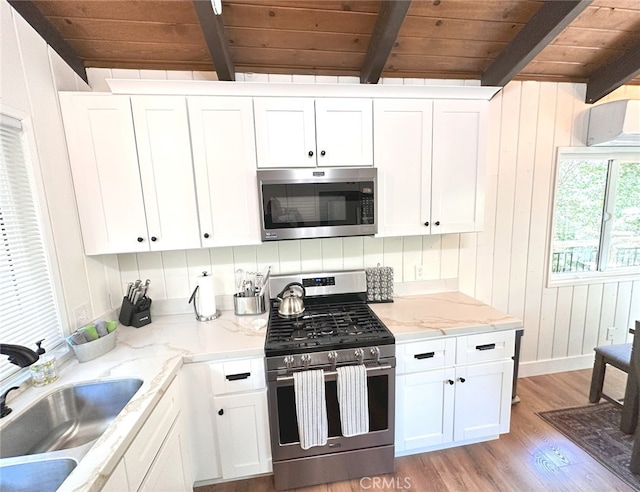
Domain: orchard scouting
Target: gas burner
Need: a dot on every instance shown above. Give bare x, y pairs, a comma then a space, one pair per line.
354, 330
299, 334
326, 330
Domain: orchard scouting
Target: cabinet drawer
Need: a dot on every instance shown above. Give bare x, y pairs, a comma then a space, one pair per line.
429, 354
237, 375
485, 347
145, 447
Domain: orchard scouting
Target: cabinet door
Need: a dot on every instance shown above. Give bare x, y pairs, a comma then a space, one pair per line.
224, 158
166, 168
402, 130
344, 132
458, 167
168, 470
106, 178
285, 132
424, 409
199, 423
243, 433
483, 400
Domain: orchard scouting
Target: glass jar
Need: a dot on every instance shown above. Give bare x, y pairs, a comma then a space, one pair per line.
43, 371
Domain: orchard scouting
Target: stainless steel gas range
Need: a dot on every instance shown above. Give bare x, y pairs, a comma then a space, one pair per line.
336, 329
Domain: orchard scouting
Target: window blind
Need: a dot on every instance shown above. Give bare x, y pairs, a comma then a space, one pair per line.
28, 309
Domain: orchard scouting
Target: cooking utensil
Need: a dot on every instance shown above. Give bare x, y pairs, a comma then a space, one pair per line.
265, 281
239, 280
291, 303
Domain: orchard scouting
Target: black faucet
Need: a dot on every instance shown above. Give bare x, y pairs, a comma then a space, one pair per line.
4, 409
19, 355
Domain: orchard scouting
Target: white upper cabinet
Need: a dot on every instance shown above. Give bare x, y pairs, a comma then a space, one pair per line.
344, 132
224, 157
402, 146
166, 168
132, 172
431, 160
104, 164
303, 132
459, 161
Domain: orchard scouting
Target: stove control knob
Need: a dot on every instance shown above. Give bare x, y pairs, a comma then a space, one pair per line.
375, 352
333, 355
359, 355
306, 359
288, 361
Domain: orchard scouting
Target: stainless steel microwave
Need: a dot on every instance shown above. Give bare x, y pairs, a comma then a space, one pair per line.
316, 202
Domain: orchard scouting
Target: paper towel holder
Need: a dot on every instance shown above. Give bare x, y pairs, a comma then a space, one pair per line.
199, 317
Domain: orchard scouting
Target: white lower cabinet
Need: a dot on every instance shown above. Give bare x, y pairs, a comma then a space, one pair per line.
158, 458
441, 403
243, 433
228, 433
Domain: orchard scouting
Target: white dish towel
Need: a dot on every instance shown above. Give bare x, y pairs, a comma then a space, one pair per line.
311, 408
353, 400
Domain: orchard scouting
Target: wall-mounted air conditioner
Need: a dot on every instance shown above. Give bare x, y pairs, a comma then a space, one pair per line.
616, 123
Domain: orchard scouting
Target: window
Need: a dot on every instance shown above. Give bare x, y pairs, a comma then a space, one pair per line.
28, 309
596, 224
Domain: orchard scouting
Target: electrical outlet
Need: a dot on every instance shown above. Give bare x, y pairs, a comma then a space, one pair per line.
419, 272
82, 314
610, 332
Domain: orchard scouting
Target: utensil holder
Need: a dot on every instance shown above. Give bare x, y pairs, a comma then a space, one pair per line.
249, 305
379, 284
135, 315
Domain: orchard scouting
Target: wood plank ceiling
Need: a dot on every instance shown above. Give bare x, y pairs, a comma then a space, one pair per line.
597, 41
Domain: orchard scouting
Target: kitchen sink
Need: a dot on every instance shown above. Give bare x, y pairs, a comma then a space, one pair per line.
36, 476
67, 418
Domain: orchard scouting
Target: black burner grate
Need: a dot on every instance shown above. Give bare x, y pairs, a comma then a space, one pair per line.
325, 326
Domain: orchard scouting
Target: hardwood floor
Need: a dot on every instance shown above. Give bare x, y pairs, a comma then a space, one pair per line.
532, 457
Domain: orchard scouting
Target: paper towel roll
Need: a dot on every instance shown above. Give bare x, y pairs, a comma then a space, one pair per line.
206, 295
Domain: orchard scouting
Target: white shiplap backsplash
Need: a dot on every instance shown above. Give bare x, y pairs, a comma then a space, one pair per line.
504, 265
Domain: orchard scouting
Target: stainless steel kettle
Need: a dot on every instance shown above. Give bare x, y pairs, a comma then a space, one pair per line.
291, 303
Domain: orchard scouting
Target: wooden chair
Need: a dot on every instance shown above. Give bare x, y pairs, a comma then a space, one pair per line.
617, 355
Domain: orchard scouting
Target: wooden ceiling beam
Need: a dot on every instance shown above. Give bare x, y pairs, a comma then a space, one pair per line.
385, 32
613, 75
549, 21
46, 30
216, 39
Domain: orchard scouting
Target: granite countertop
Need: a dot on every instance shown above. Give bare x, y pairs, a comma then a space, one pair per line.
156, 352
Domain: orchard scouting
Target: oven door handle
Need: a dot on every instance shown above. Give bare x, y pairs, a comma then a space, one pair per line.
333, 373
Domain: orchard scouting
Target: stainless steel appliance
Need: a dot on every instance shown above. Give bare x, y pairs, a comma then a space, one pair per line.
308, 203
336, 328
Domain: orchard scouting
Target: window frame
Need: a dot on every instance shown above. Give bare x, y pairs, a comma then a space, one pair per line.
597, 276
60, 351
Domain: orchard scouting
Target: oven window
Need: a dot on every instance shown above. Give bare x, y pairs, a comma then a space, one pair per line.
317, 205
378, 390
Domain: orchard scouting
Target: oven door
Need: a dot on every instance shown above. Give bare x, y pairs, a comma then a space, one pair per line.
303, 203
285, 441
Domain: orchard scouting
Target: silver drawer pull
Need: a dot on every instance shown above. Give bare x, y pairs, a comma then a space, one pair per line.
488, 346
238, 377
426, 355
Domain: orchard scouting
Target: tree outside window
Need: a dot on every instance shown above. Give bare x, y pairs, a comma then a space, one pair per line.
596, 214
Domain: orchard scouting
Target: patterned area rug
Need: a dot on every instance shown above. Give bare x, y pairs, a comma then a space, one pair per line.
596, 429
